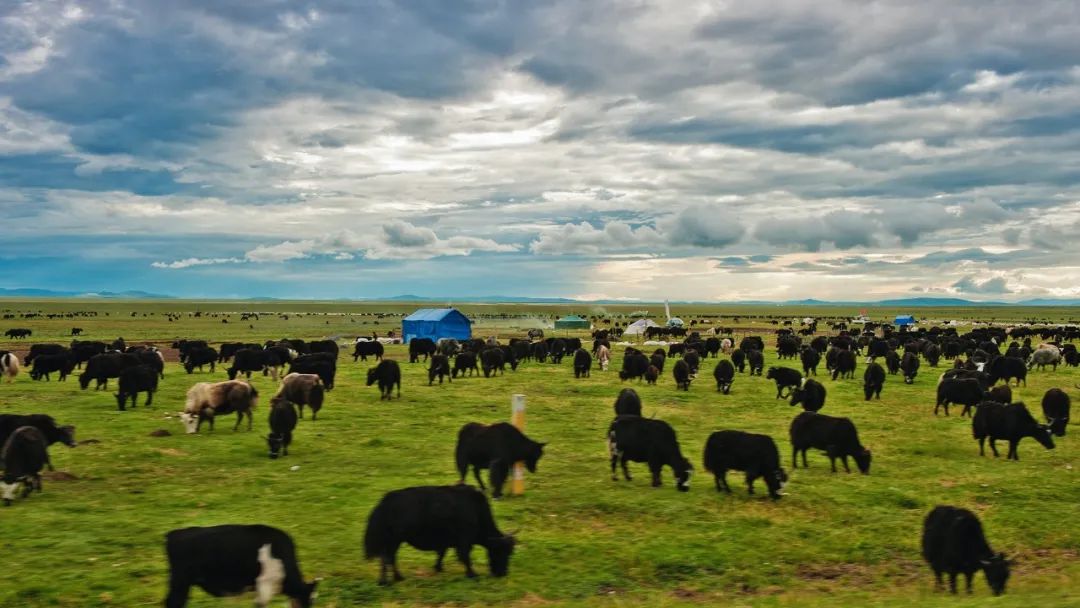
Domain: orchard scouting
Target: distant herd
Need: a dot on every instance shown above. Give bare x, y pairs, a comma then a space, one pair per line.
225, 560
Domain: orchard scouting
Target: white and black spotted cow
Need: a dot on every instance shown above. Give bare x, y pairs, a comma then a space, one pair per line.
232, 559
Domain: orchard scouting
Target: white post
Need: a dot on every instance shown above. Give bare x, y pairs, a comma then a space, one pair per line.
517, 418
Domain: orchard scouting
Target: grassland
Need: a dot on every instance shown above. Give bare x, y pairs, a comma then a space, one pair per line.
835, 539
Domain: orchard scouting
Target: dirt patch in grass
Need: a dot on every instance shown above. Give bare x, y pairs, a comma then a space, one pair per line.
59, 476
172, 452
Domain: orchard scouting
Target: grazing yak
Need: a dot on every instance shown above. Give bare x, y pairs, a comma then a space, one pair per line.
367, 348
231, 559
652, 375
135, 380
42, 422
810, 360
1043, 356
756, 360
252, 360
681, 371
37, 350
24, 454
205, 400
738, 359
757, 455
440, 367
465, 362
198, 356
1007, 368
966, 391
301, 390
582, 363
323, 365
637, 439
1010, 422
1055, 406
724, 372
628, 403
9, 366
421, 346
634, 365
495, 447
658, 359
892, 362
845, 365
811, 395
387, 373
693, 359
61, 364
108, 365
953, 543
909, 364
436, 518
836, 436
873, 380
282, 424
1001, 394
785, 379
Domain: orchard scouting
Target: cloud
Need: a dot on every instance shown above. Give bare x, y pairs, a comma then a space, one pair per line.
404, 234
704, 225
189, 262
584, 238
994, 286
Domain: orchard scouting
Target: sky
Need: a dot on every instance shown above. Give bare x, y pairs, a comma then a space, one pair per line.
712, 151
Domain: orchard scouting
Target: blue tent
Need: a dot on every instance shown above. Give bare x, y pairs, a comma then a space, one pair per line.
904, 320
436, 323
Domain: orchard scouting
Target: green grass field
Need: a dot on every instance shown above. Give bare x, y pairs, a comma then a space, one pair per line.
833, 540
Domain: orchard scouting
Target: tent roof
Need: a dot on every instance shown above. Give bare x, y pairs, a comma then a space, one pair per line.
904, 319
572, 318
433, 314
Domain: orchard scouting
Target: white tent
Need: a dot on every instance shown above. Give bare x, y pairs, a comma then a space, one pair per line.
637, 328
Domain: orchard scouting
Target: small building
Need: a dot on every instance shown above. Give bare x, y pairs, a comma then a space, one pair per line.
572, 322
904, 320
436, 323
638, 327
675, 322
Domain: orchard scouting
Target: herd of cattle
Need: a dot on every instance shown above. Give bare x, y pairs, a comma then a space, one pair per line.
229, 559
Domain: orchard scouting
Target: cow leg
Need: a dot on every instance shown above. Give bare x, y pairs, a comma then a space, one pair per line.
832, 461
795, 457
149, 398
440, 553
178, 592
497, 474
625, 469
952, 582
844, 459
993, 447
938, 583
749, 483
655, 469
1012, 449
239, 419
479, 480
614, 462
464, 554
982, 441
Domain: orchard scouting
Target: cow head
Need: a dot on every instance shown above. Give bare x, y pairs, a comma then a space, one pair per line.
499, 549
1057, 426
725, 386
862, 460
536, 450
232, 371
997, 572
275, 441
1044, 436
7, 490
190, 422
683, 471
775, 482
67, 435
372, 376
84, 380
797, 396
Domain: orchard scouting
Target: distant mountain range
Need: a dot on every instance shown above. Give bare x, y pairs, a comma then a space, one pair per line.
890, 303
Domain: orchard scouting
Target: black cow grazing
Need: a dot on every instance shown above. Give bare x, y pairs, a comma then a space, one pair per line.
492, 360
108, 365
540, 351
229, 349
42, 422
387, 373
509, 356
932, 353
965, 391
62, 364
206, 400
367, 348
582, 363
231, 559
756, 360
652, 375
18, 333
282, 423
82, 351
785, 378
811, 395
1007, 368
712, 346
324, 346
556, 349
465, 362
24, 454
1055, 406
198, 356
495, 447
953, 542
845, 364
751, 343
1010, 422
301, 390
693, 359
634, 365
135, 380
628, 403
836, 436
724, 372
873, 380
420, 346
738, 359
185, 346
251, 360
313, 364
757, 455
1001, 394
892, 362
982, 378
37, 350
810, 361
878, 347
910, 366
637, 439
436, 518
440, 367
681, 371
657, 359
